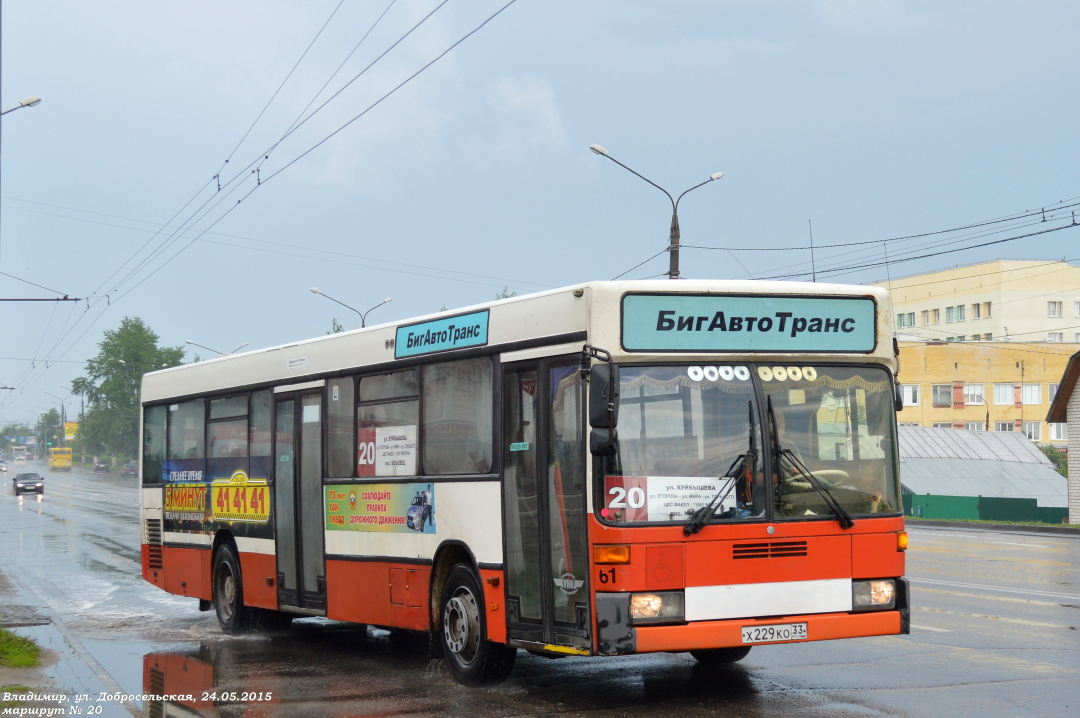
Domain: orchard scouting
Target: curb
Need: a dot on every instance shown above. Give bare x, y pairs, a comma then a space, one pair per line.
1011, 528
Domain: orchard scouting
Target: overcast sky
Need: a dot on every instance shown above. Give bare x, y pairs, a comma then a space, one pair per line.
875, 120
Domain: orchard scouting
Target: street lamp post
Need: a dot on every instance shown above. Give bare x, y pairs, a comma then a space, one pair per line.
32, 101
363, 315
675, 235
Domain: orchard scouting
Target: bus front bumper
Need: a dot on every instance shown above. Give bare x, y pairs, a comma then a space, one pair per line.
722, 634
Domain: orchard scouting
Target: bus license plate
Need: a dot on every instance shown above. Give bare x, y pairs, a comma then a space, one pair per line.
774, 633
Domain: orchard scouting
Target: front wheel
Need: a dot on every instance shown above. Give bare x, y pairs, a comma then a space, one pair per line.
232, 615
721, 656
471, 658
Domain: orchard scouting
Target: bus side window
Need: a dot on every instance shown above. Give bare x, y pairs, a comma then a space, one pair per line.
154, 419
340, 428
457, 425
186, 430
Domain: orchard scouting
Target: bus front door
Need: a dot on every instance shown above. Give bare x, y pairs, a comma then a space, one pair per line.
545, 504
301, 566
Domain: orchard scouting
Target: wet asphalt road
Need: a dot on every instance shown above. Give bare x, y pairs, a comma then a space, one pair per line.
995, 618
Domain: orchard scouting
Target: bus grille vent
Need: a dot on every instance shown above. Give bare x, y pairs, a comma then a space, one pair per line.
153, 543
775, 549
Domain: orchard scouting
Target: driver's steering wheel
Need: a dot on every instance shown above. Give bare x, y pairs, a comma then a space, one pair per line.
831, 477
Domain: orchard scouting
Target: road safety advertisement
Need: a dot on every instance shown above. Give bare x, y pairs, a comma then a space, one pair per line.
388, 508
241, 498
71, 428
660, 498
386, 451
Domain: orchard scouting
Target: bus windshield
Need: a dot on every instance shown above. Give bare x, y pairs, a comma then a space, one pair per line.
692, 434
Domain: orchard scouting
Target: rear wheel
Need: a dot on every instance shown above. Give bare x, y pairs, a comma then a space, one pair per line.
232, 615
471, 658
720, 656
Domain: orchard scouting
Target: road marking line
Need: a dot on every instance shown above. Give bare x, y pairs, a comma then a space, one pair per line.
931, 628
1021, 621
1003, 589
1025, 545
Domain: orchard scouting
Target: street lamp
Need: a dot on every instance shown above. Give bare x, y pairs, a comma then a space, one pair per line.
32, 101
673, 248
222, 354
63, 413
363, 315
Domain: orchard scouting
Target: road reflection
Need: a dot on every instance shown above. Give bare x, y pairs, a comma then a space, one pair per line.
344, 670
32, 507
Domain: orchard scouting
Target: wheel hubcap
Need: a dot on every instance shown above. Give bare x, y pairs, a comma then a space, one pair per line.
226, 592
461, 625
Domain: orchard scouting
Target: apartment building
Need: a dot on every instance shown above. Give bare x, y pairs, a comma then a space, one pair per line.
984, 386
1003, 300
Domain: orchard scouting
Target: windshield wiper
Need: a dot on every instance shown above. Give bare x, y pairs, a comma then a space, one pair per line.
701, 517
743, 466
842, 515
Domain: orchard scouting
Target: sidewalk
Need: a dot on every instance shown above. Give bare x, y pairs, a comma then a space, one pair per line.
1008, 528
67, 671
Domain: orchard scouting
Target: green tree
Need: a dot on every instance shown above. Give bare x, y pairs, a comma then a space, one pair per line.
50, 431
335, 326
505, 293
1058, 458
112, 383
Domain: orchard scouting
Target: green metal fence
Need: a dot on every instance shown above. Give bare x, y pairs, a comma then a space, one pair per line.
980, 508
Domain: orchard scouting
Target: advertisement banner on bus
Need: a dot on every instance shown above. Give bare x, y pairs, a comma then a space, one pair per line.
387, 508
687, 322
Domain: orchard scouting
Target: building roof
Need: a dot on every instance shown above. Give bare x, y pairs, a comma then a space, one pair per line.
1066, 387
956, 462
922, 442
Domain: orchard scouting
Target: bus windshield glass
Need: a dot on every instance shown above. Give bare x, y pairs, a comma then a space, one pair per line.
837, 423
690, 434
682, 431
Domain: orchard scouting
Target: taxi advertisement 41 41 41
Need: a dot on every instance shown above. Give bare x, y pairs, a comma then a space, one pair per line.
241, 499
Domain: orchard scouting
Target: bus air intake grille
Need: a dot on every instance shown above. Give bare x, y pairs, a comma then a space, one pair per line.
153, 543
775, 549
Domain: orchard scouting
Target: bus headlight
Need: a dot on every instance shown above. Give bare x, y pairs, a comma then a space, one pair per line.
873, 595
656, 607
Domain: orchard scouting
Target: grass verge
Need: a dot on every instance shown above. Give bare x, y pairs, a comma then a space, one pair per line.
16, 651
12, 689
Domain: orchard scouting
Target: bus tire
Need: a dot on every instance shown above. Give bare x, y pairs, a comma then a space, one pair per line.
232, 615
472, 660
721, 656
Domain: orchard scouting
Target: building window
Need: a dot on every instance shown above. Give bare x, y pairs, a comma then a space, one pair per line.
1033, 430
1053, 309
959, 338
986, 310
974, 426
1031, 394
905, 320
988, 337
1055, 337
976, 311
936, 314
950, 315
973, 394
943, 425
911, 394
942, 394
1003, 395
1004, 426
926, 317
1076, 309
1053, 391
1059, 432
960, 312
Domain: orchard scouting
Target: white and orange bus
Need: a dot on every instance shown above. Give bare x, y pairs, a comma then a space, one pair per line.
604, 469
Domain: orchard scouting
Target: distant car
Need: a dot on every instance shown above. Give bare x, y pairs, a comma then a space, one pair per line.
28, 483
101, 465
130, 469
3, 465
20, 459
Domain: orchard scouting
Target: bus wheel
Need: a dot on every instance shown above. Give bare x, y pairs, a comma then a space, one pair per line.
472, 660
720, 656
233, 616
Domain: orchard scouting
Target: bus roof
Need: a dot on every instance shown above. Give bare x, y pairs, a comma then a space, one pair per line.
562, 317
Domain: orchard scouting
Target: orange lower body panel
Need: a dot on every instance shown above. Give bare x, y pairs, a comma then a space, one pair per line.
377, 592
722, 634
189, 571
257, 571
